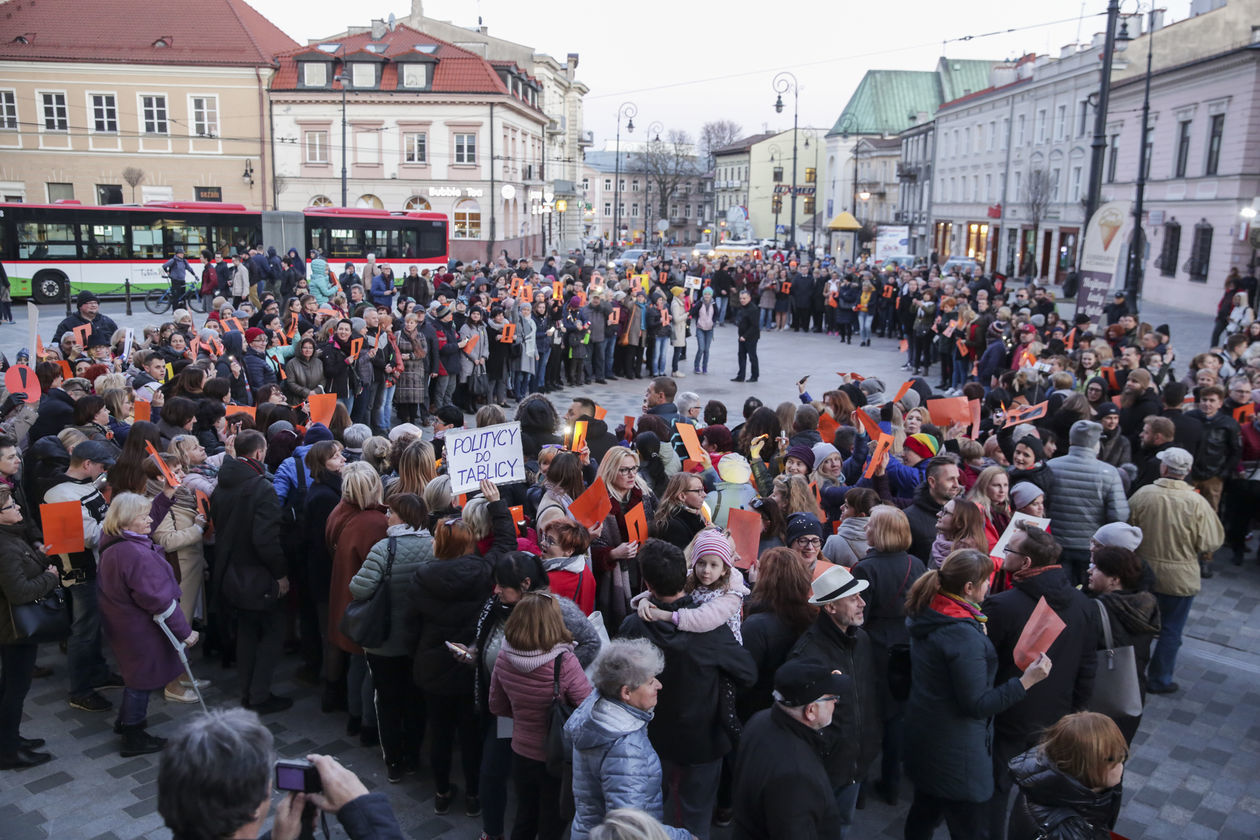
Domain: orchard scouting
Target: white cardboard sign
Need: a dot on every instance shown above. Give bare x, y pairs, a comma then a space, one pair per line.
999, 550
492, 452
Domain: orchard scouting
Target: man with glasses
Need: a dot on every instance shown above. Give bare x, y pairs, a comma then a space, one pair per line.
837, 640
781, 787
1031, 560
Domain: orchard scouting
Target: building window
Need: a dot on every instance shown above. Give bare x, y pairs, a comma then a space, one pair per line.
1113, 157
1060, 122
1183, 148
153, 110
687, 211
634, 185
316, 145
56, 118
777, 175
1082, 118
1200, 252
1215, 130
1147, 154
8, 109
811, 176
416, 147
59, 192
109, 194
104, 113
1041, 126
1171, 249
1076, 184
607, 184
314, 74
205, 116
634, 210
415, 75
467, 219
321, 201
368, 201
363, 74
417, 202
466, 153
586, 185
1019, 131
608, 208
1054, 184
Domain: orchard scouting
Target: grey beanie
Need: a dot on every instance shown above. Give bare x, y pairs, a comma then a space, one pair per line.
910, 399
822, 451
1085, 433
1120, 535
1025, 493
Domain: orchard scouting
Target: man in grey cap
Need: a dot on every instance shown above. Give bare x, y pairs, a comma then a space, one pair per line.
86, 665
1088, 493
1177, 525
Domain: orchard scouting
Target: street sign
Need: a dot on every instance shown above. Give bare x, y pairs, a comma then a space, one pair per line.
662, 225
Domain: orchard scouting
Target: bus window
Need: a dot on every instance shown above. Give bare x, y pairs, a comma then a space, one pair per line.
192, 237
432, 240
46, 240
104, 242
383, 243
232, 237
340, 243
407, 244
146, 241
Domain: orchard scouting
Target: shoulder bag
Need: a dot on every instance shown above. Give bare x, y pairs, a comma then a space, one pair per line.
45, 619
1116, 689
899, 667
559, 759
366, 622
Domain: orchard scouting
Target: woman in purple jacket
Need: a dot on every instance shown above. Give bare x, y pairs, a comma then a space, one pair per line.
537, 653
137, 583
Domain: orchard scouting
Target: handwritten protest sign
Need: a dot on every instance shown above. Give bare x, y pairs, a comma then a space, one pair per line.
490, 452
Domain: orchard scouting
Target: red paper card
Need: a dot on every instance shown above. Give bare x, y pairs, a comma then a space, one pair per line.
322, 407
21, 379
691, 466
600, 412
868, 423
827, 426
166, 471
691, 440
1043, 627
745, 529
142, 410
636, 524
592, 506
881, 449
949, 410
629, 424
63, 527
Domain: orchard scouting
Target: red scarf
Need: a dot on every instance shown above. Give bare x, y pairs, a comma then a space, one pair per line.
956, 607
1025, 574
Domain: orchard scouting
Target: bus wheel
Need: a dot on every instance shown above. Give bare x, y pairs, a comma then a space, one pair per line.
49, 287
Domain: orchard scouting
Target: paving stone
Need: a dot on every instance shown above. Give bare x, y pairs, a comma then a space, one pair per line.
49, 782
127, 768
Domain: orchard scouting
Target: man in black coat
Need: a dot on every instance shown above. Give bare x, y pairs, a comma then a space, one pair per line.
943, 483
690, 728
88, 311
1157, 435
250, 573
1032, 561
838, 641
748, 322
781, 787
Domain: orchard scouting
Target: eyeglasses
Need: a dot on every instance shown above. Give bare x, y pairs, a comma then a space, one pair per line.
9, 506
806, 542
828, 698
1009, 550
627, 470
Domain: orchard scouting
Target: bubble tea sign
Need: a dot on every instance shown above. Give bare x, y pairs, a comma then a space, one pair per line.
492, 452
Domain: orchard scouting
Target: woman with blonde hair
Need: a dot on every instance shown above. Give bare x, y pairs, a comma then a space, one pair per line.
416, 468
356, 524
629, 824
992, 492
680, 515
795, 496
614, 553
1070, 784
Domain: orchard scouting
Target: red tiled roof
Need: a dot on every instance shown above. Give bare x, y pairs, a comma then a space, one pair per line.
457, 70
204, 32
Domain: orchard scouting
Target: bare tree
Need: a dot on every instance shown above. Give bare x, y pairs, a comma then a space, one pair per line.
133, 176
714, 135
666, 164
1037, 197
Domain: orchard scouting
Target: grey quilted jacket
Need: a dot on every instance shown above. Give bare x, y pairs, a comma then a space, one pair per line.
1087, 494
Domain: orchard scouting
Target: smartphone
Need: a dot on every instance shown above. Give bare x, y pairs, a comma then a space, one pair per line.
459, 650
802, 380
299, 775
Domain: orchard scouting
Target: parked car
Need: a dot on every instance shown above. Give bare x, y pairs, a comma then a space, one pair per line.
704, 248
628, 257
965, 265
901, 261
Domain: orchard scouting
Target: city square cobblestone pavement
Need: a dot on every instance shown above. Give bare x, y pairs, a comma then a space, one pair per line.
1194, 773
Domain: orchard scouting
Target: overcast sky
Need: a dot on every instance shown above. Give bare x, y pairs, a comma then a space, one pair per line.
685, 63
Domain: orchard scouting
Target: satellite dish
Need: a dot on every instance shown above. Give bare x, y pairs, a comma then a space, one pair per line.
393, 21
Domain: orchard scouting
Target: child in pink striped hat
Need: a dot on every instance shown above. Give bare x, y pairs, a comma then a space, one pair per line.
716, 588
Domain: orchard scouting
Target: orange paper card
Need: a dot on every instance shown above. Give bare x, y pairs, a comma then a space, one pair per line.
636, 524
592, 506
881, 449
901, 392
827, 426
903, 346
1043, 627
557, 290
949, 410
234, 324
868, 423
63, 527
629, 424
142, 410
81, 334
614, 317
509, 334
691, 441
745, 528
21, 379
820, 566
579, 435
691, 466
974, 407
166, 471
322, 407
1025, 414
472, 342
600, 412
248, 410
356, 346
1244, 413
66, 371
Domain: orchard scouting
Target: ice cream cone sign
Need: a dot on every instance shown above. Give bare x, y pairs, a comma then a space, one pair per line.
1109, 222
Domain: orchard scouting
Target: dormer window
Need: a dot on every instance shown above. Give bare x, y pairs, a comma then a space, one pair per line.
164, 41
414, 75
363, 74
314, 74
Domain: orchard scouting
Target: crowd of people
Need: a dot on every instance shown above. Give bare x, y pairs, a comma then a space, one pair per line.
871, 628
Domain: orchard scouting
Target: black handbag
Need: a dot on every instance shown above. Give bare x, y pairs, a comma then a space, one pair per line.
45, 619
366, 621
557, 716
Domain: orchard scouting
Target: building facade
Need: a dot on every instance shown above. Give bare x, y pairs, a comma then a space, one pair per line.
427, 126
914, 174
130, 107
688, 208
732, 166
770, 175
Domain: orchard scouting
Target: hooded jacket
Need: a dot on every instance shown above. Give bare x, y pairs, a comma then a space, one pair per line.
614, 765
922, 515
1052, 805
248, 558
522, 688
847, 545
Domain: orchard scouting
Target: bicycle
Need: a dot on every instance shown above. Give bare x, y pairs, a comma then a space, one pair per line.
158, 301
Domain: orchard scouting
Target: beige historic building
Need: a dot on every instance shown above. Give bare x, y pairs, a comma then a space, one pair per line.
150, 102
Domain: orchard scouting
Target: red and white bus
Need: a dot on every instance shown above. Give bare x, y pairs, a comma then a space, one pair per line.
46, 248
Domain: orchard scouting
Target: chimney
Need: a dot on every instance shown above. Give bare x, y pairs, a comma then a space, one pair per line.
1157, 20
572, 61
378, 29
1067, 51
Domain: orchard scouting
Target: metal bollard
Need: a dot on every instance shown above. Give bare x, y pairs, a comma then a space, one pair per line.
67, 297
127, 293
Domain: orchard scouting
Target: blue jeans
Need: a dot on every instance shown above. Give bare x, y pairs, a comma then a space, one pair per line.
962, 368
523, 380
846, 804
442, 393
382, 410
662, 350
1174, 610
721, 301
496, 769
540, 375
767, 319
134, 707
864, 326
360, 691
83, 648
704, 340
610, 349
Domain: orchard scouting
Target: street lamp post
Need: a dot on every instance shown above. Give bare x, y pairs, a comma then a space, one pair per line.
1099, 144
343, 79
784, 82
1137, 243
627, 110
813, 222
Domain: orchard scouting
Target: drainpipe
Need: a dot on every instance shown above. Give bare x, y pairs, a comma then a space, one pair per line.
494, 198
262, 147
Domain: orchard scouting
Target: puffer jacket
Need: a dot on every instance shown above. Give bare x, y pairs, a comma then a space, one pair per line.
302, 376
258, 370
1177, 526
848, 544
412, 549
1088, 494
522, 688
1052, 805
614, 765
23, 578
